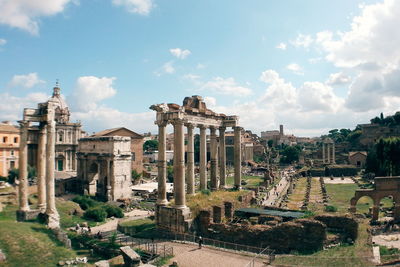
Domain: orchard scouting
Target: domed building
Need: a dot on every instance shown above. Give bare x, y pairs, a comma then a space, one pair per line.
67, 135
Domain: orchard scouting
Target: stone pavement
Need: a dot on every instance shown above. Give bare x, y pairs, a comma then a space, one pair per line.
189, 255
280, 187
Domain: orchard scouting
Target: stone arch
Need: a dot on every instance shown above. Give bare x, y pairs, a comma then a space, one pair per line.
359, 195
381, 203
93, 177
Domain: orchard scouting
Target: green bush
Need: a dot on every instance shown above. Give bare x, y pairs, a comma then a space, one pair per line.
85, 202
331, 209
206, 192
97, 214
113, 211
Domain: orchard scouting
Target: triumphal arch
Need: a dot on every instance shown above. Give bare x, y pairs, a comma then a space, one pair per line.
193, 113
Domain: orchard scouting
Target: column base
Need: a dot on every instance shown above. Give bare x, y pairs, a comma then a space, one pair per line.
162, 202
237, 187
42, 208
26, 215
53, 220
180, 207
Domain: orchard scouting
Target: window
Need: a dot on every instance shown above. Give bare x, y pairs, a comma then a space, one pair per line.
60, 136
5, 139
12, 164
15, 140
133, 156
12, 152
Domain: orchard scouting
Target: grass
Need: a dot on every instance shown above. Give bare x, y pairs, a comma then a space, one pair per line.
346, 255
251, 180
142, 228
29, 243
297, 197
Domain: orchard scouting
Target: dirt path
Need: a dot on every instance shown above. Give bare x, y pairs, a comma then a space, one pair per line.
188, 255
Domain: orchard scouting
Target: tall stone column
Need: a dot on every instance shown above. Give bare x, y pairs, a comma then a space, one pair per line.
53, 219
179, 165
323, 152
213, 158
23, 167
203, 158
162, 165
328, 154
333, 153
237, 157
190, 161
41, 171
222, 158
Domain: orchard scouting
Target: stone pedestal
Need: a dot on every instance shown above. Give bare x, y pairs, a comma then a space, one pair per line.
173, 219
27, 215
131, 258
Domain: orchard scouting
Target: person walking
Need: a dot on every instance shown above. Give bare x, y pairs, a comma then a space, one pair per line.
200, 242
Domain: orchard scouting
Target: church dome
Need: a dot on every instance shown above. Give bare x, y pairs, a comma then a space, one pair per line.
61, 108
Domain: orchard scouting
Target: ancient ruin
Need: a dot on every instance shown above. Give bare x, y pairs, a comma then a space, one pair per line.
384, 187
104, 167
328, 151
46, 116
193, 113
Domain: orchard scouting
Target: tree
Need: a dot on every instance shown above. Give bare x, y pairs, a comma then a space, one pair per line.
135, 176
270, 143
384, 158
150, 145
13, 174
290, 154
170, 174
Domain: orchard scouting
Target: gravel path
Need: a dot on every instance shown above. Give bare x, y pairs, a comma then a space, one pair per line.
187, 255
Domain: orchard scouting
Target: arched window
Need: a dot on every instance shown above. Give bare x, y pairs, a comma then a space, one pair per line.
60, 136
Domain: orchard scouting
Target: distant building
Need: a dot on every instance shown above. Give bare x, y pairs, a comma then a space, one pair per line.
9, 145
370, 133
136, 144
67, 136
358, 158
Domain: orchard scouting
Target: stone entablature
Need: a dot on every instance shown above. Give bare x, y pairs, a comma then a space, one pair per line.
104, 167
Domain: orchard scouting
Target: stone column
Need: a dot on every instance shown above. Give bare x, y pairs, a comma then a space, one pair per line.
162, 165
179, 165
53, 219
23, 167
323, 152
237, 157
41, 171
328, 153
375, 212
333, 153
222, 158
203, 158
213, 158
190, 161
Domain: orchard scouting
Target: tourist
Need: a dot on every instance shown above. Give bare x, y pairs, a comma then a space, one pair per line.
200, 242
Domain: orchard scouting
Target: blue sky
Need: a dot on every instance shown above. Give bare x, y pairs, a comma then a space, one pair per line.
310, 65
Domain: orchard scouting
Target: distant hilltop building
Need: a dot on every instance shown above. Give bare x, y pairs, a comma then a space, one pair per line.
278, 137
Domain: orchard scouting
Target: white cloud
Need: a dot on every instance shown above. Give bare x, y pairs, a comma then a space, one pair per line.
12, 107
142, 7
180, 53
26, 81
302, 40
3, 41
168, 67
281, 46
24, 14
338, 78
200, 66
316, 96
295, 68
90, 90
210, 101
226, 86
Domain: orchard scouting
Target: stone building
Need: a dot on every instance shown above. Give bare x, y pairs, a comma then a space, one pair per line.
136, 144
358, 158
67, 136
104, 167
9, 146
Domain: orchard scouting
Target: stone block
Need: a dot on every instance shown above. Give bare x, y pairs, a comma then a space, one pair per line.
217, 214
131, 258
27, 215
103, 263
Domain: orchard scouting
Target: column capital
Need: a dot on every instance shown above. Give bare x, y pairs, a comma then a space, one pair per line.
23, 124
190, 125
222, 128
161, 123
177, 122
202, 126
237, 128
213, 129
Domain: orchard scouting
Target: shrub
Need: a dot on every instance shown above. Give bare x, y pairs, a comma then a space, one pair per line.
113, 211
330, 208
206, 192
85, 202
97, 214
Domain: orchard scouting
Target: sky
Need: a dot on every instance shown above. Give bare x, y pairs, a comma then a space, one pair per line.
310, 65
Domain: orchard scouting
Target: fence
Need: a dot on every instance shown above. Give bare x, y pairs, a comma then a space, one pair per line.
262, 252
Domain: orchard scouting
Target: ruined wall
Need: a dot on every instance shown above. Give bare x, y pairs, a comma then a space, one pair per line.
347, 225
